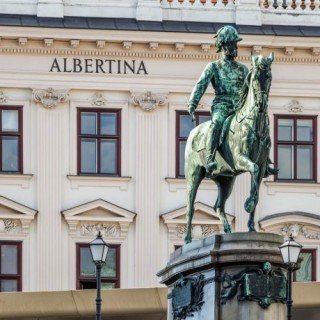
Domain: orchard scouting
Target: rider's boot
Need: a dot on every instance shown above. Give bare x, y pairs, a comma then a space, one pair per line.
212, 145
270, 170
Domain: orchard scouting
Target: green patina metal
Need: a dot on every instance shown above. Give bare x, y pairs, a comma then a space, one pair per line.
237, 139
187, 296
264, 286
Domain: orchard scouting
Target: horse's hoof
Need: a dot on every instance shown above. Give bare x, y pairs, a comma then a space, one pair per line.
187, 240
227, 229
251, 227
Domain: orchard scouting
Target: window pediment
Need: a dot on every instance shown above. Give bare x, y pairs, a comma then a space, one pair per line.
205, 222
302, 225
99, 215
15, 218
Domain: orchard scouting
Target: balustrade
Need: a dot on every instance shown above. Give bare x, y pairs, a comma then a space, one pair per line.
198, 3
292, 6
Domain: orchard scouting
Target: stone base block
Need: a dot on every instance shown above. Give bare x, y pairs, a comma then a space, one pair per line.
237, 276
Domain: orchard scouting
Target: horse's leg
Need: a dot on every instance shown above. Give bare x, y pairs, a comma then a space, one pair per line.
244, 164
193, 176
225, 185
255, 196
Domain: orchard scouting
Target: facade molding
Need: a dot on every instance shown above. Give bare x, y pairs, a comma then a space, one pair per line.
149, 101
166, 54
17, 220
95, 181
205, 223
301, 225
176, 184
50, 97
274, 187
99, 215
98, 100
22, 180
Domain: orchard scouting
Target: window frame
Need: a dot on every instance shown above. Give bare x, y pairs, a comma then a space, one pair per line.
115, 280
18, 134
99, 137
17, 276
178, 138
295, 143
313, 265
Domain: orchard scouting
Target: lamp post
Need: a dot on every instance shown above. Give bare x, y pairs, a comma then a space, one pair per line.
99, 250
290, 251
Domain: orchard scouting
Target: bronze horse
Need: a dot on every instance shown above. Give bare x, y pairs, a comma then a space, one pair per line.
244, 147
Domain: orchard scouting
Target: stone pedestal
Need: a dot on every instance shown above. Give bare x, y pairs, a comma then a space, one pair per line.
236, 276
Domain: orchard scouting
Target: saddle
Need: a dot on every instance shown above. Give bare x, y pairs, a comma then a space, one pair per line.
199, 145
202, 135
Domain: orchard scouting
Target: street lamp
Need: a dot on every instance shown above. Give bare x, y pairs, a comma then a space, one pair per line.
290, 251
99, 250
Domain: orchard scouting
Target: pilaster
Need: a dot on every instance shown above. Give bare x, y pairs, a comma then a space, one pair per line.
49, 179
148, 154
241, 193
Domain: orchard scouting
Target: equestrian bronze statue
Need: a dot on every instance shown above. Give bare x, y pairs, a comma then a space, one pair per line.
237, 139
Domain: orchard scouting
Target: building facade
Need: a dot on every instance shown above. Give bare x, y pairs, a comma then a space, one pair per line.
93, 127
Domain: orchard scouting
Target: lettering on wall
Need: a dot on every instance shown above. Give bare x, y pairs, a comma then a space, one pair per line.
76, 65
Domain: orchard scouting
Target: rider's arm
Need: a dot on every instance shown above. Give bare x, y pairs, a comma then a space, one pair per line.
200, 88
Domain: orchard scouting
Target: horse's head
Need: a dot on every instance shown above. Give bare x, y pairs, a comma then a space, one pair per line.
261, 79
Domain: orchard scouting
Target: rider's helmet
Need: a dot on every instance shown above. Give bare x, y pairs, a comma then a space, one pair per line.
226, 35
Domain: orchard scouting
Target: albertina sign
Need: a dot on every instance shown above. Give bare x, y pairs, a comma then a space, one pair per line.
76, 65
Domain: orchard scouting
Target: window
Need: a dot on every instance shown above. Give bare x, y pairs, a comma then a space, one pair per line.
99, 142
183, 127
10, 266
110, 273
308, 267
295, 148
11, 139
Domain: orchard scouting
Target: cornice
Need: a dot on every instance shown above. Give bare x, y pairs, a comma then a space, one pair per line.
165, 54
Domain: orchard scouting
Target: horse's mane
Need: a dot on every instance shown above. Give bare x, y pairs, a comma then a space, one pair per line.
244, 90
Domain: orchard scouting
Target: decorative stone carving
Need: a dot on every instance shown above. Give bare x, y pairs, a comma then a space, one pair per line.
22, 41
99, 215
153, 45
297, 230
98, 100
179, 46
100, 44
257, 49
311, 235
148, 101
316, 52
50, 98
107, 229
205, 47
48, 42
289, 51
294, 106
74, 43
3, 97
9, 226
126, 45
291, 229
198, 231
